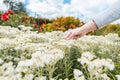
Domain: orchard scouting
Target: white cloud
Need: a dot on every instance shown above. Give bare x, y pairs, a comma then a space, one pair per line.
2, 6
91, 8
54, 8
46, 8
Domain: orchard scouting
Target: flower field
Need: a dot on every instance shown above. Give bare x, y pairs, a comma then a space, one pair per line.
29, 55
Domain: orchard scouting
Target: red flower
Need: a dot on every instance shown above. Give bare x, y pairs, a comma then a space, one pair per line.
35, 25
4, 17
9, 12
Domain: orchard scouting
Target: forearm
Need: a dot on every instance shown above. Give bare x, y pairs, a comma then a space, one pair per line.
88, 27
108, 16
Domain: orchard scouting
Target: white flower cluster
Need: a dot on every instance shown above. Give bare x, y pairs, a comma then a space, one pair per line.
78, 75
1, 61
118, 77
26, 43
29, 55
40, 59
96, 67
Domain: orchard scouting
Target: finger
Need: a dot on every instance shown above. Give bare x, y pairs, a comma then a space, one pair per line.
68, 35
75, 37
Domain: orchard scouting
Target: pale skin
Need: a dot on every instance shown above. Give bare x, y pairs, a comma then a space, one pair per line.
81, 31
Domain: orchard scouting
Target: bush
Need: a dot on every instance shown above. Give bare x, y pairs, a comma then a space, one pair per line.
110, 28
62, 24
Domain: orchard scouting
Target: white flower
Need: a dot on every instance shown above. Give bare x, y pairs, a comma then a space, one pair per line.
83, 60
1, 46
105, 77
19, 69
1, 61
39, 63
5, 65
88, 55
78, 75
36, 54
29, 63
21, 63
8, 42
118, 77
17, 48
41, 78
95, 64
29, 77
110, 66
77, 72
24, 28
18, 76
52, 79
100, 63
80, 78
47, 57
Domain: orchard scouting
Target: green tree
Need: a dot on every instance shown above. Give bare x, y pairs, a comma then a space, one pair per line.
16, 6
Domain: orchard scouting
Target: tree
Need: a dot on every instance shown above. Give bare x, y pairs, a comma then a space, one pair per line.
16, 6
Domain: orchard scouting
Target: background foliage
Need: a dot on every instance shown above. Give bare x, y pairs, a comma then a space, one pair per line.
21, 17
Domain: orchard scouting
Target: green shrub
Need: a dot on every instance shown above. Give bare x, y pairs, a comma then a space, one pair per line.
110, 28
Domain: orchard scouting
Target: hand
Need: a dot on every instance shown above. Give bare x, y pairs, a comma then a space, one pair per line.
75, 33
79, 32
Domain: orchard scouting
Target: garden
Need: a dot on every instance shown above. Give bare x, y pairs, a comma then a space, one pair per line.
36, 49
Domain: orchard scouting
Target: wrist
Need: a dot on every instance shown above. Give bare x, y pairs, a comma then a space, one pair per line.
90, 26
94, 25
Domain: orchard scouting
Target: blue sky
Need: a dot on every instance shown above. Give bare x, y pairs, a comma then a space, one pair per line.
67, 1
83, 9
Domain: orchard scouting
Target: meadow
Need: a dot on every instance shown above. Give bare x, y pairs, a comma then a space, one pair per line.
26, 54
